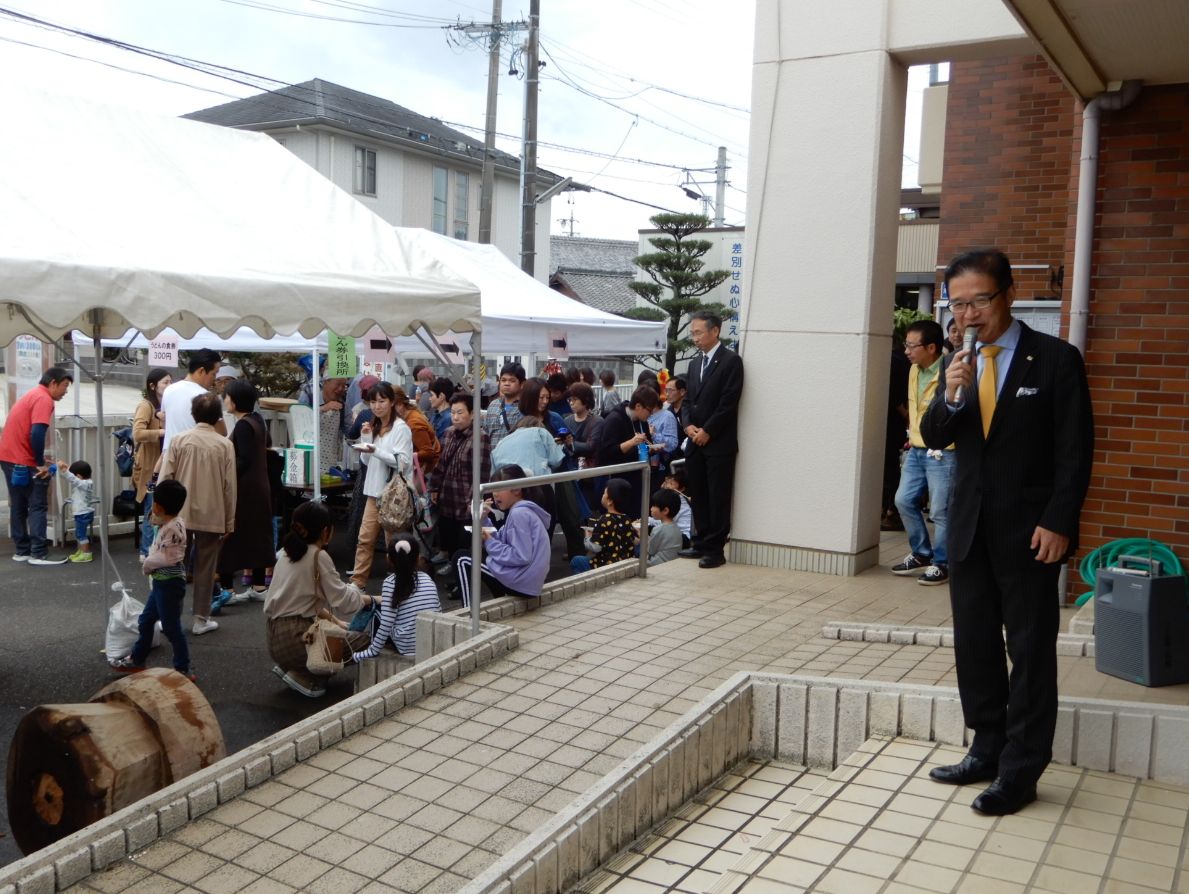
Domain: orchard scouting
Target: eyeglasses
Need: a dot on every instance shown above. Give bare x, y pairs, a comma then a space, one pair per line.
979, 303
909, 347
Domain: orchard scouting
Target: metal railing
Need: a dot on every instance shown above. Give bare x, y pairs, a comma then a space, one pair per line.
557, 477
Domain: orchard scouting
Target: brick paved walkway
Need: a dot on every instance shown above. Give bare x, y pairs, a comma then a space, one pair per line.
429, 797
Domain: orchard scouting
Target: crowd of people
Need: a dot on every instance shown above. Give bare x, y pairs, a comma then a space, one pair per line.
212, 498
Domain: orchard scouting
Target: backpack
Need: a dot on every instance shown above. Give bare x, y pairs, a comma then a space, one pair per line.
125, 453
394, 506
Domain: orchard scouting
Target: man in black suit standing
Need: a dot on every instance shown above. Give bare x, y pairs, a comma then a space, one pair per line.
1018, 412
710, 418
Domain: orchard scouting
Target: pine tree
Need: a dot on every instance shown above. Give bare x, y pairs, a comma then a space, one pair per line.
678, 280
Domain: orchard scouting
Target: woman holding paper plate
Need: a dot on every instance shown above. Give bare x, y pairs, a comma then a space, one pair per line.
385, 447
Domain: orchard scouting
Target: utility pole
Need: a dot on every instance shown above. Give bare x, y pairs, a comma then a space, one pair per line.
487, 189
720, 193
528, 163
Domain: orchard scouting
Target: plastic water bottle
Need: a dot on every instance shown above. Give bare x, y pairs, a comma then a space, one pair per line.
642, 452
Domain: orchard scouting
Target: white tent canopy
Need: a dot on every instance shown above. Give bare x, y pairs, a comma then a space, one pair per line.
128, 220
519, 312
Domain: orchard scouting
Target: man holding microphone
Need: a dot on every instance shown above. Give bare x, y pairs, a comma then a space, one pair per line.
1016, 405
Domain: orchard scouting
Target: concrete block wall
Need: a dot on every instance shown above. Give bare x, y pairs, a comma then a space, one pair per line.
92, 849
1072, 644
643, 791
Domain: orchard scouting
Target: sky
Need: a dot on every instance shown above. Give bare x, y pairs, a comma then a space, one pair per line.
640, 93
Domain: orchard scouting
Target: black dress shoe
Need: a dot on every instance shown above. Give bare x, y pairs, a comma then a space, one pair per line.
969, 769
712, 561
1003, 797
691, 553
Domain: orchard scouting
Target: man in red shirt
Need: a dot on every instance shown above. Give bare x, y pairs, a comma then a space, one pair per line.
26, 470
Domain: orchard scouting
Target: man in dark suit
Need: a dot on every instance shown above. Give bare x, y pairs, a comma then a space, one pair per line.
1021, 422
710, 418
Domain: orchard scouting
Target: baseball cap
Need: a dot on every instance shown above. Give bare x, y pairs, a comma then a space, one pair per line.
366, 383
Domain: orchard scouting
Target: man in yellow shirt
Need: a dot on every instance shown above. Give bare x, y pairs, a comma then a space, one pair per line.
926, 472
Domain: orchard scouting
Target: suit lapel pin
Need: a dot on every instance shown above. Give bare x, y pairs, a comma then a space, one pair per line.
1029, 356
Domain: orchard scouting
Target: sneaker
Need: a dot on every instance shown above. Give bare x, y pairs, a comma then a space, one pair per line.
82, 557
258, 595
21, 558
934, 575
912, 563
142, 558
203, 625
439, 558
46, 560
241, 597
126, 665
220, 600
189, 675
298, 686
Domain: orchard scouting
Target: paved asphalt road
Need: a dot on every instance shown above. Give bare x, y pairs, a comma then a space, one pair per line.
53, 633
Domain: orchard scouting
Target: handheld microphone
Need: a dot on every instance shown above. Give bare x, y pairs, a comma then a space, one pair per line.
968, 339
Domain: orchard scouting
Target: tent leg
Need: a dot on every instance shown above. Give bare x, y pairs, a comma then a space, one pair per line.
315, 403
101, 470
476, 473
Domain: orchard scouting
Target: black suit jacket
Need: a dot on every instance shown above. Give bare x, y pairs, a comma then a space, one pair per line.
713, 404
1033, 467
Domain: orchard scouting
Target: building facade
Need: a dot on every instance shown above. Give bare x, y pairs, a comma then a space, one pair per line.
411, 170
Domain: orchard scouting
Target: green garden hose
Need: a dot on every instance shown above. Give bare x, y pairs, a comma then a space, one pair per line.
1107, 556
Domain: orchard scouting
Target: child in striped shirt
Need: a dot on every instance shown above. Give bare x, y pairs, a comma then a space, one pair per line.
165, 565
406, 593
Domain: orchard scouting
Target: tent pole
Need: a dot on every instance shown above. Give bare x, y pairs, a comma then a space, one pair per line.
315, 398
476, 474
100, 466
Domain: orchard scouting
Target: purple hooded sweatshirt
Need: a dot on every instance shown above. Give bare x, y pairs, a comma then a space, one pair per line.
518, 553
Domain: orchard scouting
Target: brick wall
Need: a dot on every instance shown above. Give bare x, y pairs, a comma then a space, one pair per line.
1010, 180
1138, 349
1009, 145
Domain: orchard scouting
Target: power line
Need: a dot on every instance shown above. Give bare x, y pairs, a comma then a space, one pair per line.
646, 85
259, 82
591, 152
268, 7
565, 79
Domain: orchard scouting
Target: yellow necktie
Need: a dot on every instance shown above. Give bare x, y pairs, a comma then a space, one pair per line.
988, 386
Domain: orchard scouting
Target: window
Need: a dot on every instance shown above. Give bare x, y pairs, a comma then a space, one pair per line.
440, 180
365, 171
462, 188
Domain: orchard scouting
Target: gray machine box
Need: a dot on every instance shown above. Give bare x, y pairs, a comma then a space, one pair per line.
1141, 624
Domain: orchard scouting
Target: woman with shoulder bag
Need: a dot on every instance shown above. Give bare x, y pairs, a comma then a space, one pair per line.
386, 449
148, 431
304, 583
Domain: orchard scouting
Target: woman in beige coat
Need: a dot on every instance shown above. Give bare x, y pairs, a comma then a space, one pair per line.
148, 430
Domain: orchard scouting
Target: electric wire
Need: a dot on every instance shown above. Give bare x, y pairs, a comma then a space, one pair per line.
262, 82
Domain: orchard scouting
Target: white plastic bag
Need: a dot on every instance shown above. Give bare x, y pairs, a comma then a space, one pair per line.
122, 629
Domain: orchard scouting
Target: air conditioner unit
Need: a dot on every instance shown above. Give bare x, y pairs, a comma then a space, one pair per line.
1141, 623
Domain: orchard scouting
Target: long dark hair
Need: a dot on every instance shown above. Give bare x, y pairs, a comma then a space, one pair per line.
309, 521
403, 553
530, 398
150, 386
385, 389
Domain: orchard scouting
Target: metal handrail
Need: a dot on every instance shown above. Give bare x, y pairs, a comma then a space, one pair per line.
597, 472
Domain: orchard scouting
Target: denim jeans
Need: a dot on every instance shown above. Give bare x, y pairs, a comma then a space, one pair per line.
82, 528
27, 513
147, 529
923, 474
164, 604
